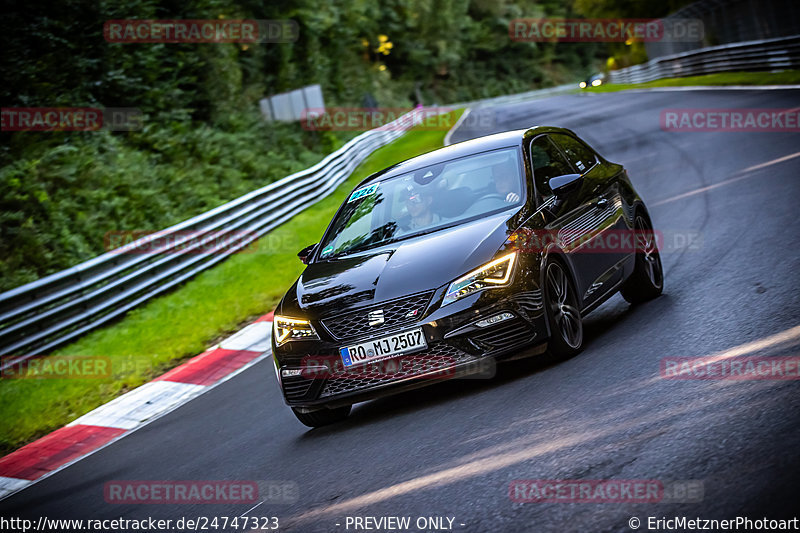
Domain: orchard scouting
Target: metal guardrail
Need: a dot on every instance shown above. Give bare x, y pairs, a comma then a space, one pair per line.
730, 21
53, 310
769, 54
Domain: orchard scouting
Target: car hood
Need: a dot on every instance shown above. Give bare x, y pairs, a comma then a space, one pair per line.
396, 270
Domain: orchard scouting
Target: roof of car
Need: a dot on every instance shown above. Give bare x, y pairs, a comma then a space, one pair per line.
494, 141
506, 139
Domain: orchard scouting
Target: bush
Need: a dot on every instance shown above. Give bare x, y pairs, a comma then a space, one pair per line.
56, 206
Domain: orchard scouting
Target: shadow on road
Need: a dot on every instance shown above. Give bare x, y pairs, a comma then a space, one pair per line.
602, 324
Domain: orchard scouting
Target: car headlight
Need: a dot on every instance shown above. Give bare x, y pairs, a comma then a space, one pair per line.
493, 274
595, 83
286, 329
582, 85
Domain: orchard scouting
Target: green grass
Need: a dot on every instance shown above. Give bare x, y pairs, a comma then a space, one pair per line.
170, 329
785, 77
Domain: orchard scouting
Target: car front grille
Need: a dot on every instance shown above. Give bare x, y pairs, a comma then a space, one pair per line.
396, 313
295, 387
440, 356
505, 335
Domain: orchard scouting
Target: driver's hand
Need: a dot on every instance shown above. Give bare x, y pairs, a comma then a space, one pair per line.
512, 197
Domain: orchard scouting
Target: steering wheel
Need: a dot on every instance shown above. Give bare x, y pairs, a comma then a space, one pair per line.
492, 196
486, 203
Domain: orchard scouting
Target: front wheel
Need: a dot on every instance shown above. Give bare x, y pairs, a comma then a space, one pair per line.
323, 417
647, 280
563, 314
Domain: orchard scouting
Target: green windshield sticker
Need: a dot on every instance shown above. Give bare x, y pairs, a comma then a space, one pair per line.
364, 191
327, 250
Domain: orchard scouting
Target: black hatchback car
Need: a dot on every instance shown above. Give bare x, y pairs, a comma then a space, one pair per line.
489, 249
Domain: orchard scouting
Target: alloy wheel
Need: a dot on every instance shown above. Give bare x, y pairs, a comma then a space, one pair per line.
563, 306
647, 246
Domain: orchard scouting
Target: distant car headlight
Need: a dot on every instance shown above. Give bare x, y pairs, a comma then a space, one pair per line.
595, 83
493, 274
582, 85
286, 329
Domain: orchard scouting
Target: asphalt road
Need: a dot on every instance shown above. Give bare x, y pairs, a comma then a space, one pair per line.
452, 450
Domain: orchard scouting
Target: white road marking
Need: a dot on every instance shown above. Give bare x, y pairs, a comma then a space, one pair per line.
791, 335
773, 162
713, 88
253, 507
255, 338
745, 174
456, 125
140, 405
10, 485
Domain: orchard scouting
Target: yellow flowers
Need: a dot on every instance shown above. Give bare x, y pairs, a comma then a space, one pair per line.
384, 44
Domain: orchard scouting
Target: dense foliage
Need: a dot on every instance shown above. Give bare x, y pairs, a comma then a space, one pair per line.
203, 142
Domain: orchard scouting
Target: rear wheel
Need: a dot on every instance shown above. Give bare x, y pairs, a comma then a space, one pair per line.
563, 314
323, 417
647, 280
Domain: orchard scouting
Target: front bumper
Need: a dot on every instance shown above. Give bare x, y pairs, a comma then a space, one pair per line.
483, 367
457, 347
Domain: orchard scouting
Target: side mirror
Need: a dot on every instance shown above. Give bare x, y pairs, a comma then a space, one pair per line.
561, 185
306, 252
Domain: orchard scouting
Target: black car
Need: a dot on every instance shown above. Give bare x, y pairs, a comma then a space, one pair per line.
489, 249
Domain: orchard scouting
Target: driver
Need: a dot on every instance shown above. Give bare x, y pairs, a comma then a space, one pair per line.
418, 204
505, 181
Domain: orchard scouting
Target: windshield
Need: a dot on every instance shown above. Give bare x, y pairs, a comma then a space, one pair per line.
425, 200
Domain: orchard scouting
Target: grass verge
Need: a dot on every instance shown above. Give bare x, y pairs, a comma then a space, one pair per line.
786, 77
170, 329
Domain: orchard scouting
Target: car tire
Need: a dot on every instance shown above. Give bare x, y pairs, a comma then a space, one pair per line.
323, 417
647, 280
562, 311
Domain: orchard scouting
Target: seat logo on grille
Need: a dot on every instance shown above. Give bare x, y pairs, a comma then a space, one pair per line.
375, 318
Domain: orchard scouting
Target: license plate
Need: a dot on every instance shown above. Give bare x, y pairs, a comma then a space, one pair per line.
390, 346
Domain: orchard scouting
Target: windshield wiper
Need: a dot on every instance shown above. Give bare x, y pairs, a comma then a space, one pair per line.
360, 248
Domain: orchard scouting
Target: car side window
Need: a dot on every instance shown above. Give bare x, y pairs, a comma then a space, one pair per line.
581, 157
547, 162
